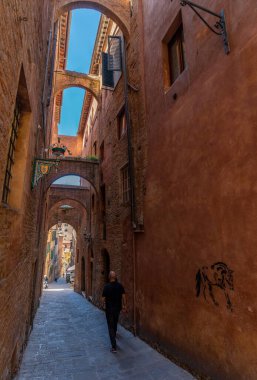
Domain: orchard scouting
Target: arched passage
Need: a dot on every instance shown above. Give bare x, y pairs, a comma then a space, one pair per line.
86, 169
66, 79
117, 10
60, 250
62, 194
76, 215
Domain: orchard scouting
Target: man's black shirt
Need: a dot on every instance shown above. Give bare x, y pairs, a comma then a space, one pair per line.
113, 295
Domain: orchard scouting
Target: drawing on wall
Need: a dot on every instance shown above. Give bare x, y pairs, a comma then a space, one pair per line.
209, 279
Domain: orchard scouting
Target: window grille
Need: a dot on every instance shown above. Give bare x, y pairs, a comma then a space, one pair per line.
125, 184
11, 150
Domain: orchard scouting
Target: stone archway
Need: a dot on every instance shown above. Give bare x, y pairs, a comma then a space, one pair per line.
87, 169
60, 193
67, 79
117, 10
76, 216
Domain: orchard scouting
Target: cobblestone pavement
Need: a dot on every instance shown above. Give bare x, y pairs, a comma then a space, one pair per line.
70, 341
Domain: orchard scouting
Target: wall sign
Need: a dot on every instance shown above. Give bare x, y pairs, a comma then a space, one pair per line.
41, 168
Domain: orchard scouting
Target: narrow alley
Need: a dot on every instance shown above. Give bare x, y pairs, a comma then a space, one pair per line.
70, 341
128, 181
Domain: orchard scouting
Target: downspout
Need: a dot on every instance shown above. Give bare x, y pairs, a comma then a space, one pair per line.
50, 81
48, 84
131, 179
130, 154
44, 88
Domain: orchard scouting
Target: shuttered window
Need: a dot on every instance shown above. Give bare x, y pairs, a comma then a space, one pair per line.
107, 75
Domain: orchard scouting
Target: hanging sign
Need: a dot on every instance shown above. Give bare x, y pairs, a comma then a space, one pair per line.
41, 168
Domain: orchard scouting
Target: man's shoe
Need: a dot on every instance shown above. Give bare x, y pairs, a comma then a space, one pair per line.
113, 350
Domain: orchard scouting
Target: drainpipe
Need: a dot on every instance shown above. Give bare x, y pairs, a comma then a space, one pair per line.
130, 154
131, 178
45, 102
50, 81
44, 88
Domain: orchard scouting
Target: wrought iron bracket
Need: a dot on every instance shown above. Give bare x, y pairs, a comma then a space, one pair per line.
42, 167
219, 28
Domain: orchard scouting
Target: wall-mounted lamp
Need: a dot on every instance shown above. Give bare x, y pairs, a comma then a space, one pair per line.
220, 26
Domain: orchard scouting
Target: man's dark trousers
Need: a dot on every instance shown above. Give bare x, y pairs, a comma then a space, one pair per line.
112, 316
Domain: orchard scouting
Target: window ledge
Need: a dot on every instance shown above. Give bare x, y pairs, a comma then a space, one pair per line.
178, 88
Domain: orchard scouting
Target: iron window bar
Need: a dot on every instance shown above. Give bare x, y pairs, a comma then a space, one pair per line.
10, 156
220, 24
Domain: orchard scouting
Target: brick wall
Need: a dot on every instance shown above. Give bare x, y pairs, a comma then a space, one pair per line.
24, 43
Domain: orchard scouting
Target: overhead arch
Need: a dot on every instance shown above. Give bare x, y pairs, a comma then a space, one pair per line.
66, 79
87, 169
117, 10
76, 216
74, 203
61, 194
67, 223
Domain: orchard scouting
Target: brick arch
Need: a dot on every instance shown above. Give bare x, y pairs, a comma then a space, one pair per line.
117, 10
76, 217
89, 170
67, 79
62, 194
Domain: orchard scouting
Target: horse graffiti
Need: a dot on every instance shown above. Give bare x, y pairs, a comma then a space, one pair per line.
217, 276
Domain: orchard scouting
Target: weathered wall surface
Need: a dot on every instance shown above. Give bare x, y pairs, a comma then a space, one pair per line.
23, 42
200, 205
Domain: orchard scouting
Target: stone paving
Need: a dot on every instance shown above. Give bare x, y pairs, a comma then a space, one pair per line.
70, 341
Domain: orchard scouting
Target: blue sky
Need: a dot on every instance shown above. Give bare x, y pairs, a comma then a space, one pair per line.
71, 180
84, 24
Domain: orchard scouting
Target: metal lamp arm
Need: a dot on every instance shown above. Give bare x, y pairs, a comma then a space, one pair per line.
220, 24
201, 17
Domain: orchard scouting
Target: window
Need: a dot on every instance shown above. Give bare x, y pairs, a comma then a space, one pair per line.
125, 184
122, 125
11, 150
173, 49
176, 53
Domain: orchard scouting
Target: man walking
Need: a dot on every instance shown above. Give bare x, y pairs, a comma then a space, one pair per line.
114, 300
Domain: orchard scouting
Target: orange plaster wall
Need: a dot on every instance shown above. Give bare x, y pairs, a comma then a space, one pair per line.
201, 196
